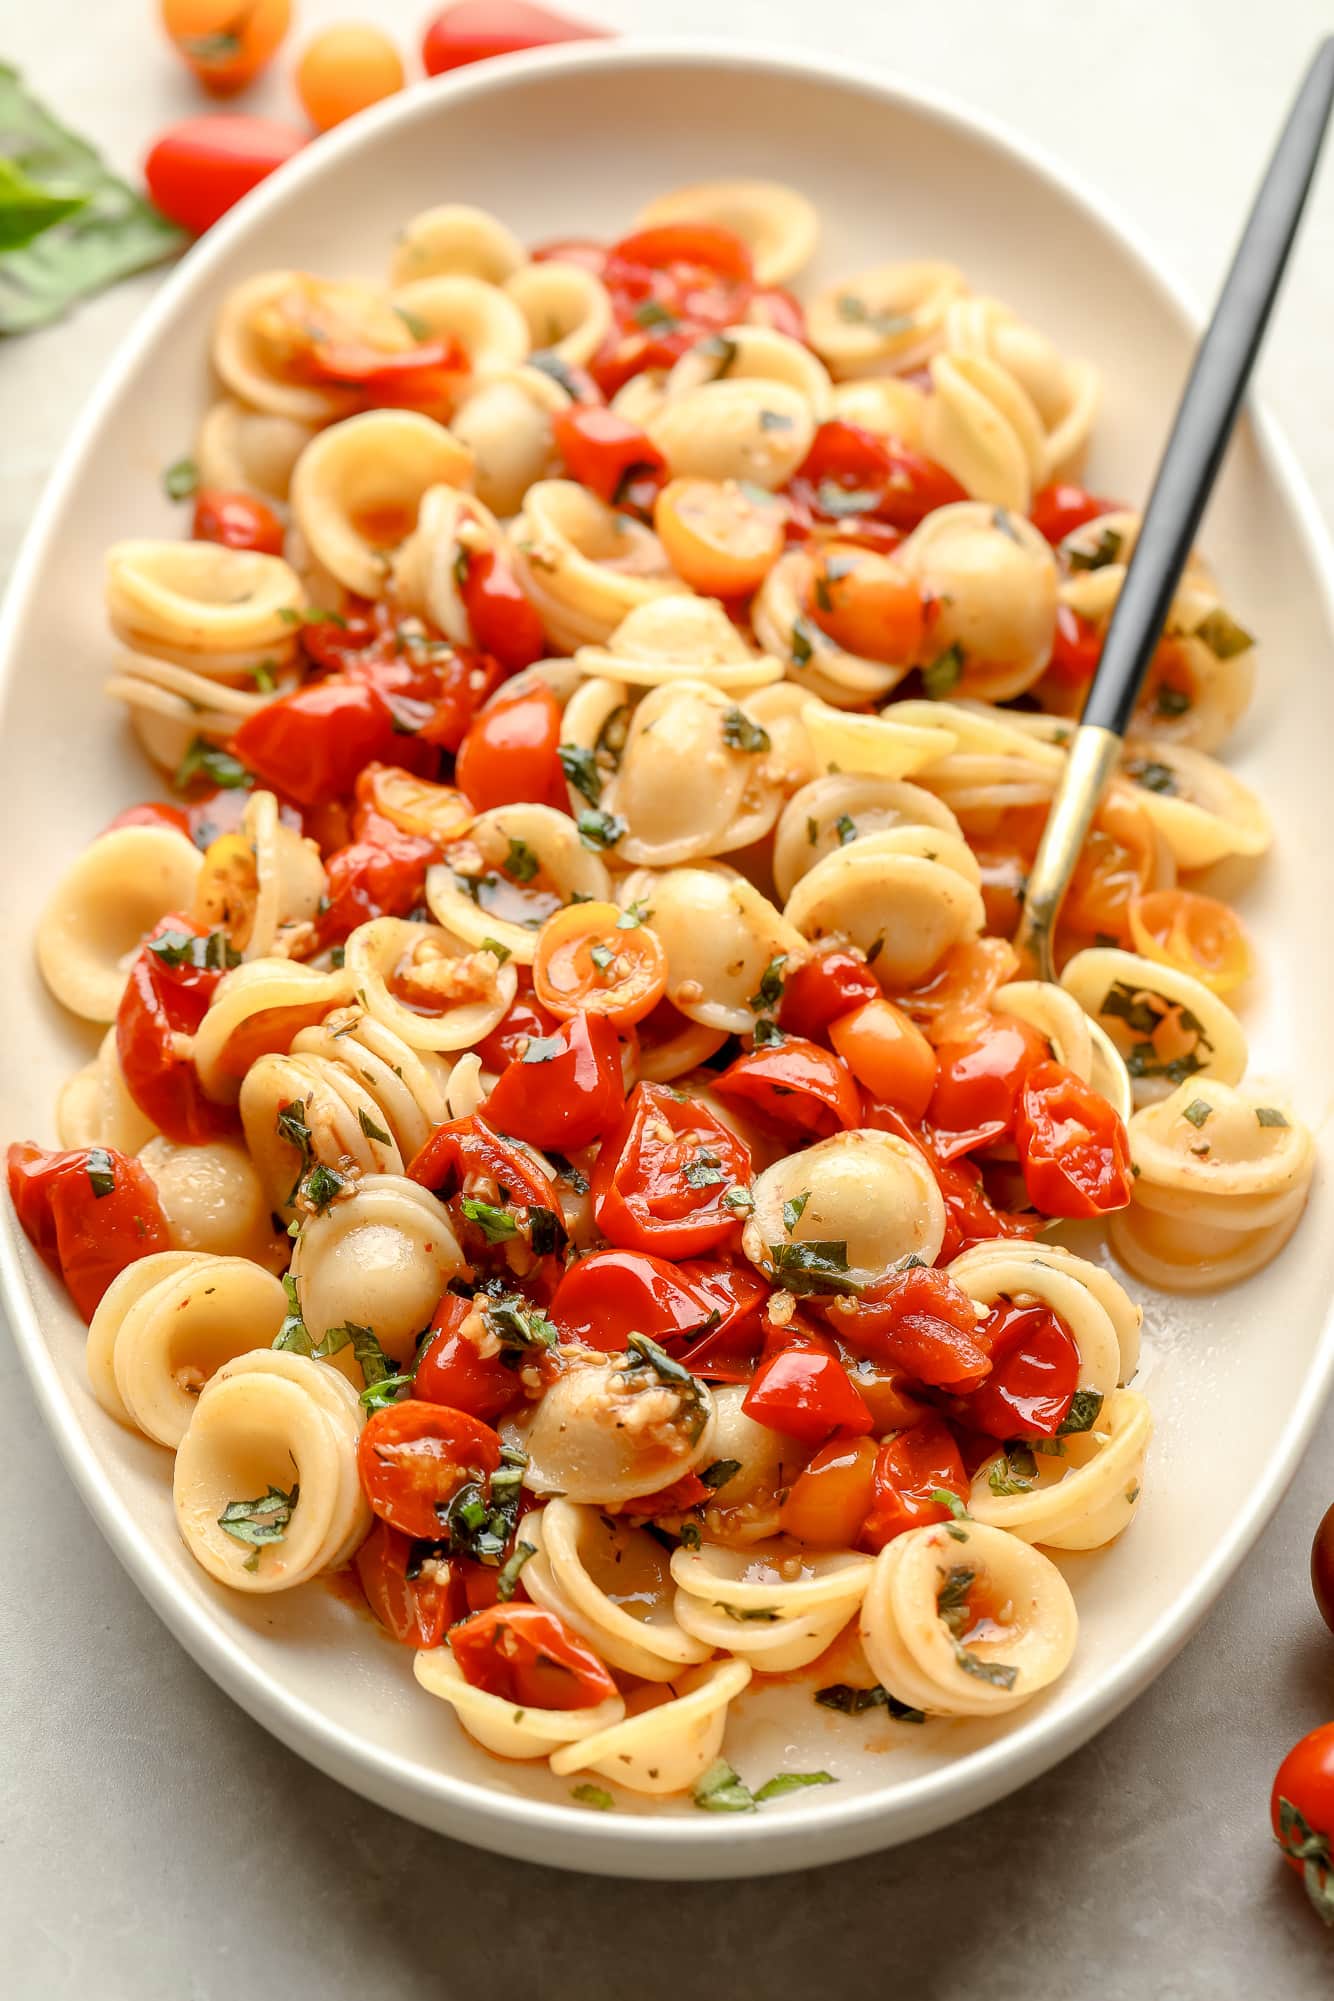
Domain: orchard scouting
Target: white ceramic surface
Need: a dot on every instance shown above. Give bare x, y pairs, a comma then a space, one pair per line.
568, 143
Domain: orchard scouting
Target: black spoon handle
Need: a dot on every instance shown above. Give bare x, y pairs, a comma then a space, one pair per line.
1210, 404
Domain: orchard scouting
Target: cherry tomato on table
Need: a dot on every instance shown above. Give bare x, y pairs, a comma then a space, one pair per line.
472, 30
796, 1085
237, 521
530, 1658
89, 1212
566, 1090
415, 1596
343, 69
1074, 1148
226, 42
1301, 1811
414, 1456
662, 1176
172, 979
586, 960
198, 169
910, 1470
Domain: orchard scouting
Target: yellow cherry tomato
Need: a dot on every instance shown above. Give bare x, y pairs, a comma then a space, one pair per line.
1197, 934
227, 891
587, 961
226, 42
720, 538
887, 1053
344, 69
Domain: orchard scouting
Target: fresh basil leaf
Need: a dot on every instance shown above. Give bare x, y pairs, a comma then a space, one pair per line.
590, 1795
1197, 1111
740, 733
1155, 777
600, 830
792, 1782
378, 1395
942, 675
634, 914
1269, 1115
496, 1225
704, 1170
520, 864
516, 1324
498, 952
1014, 1472
721, 1791
770, 990
208, 760
721, 1471
27, 209
1106, 550
581, 771
816, 1266
264, 1520
761, 1615
855, 1701
369, 1127
101, 1172
544, 1048
792, 1210
846, 829
1222, 635
508, 1581
181, 479
1082, 1415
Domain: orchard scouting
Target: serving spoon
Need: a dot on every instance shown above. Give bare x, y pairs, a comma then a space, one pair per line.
1186, 473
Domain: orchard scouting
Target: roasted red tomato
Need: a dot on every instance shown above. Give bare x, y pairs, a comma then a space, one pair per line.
1301, 1809
566, 1090
920, 1323
1034, 1374
828, 1503
1074, 1148
414, 1593
512, 752
525, 1020
663, 1176
89, 1212
610, 1295
237, 521
874, 490
414, 1456
910, 1470
506, 1211
978, 1085
172, 980
669, 286
1076, 647
805, 1392
828, 984
530, 1658
794, 1084
603, 451
313, 744
380, 878
501, 619
1061, 508
453, 1369
970, 1214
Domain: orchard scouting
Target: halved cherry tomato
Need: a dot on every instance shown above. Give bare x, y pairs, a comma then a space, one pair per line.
471, 30
609, 1295
828, 1503
525, 1019
453, 1369
731, 1294
669, 285
1061, 508
828, 984
805, 1392
464, 1160
512, 752
1115, 865
530, 1658
796, 1085
772, 307
410, 805
1196, 934
886, 1392
413, 1457
955, 1002
566, 1095
909, 1470
152, 813
581, 250
198, 169
662, 1177
1034, 1374
237, 521
1076, 648
89, 1212
603, 450
868, 604
920, 1323
1073, 1146
382, 878
500, 617
970, 1214
313, 744
226, 44
1301, 1810
887, 1053
166, 996
721, 538
978, 1085
868, 485
586, 961
415, 1596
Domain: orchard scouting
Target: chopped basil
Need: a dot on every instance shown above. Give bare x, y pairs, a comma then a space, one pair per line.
590, 1795
876, 949
857, 313
207, 760
817, 1266
792, 1210
649, 313
1197, 1111
770, 990
290, 1124
1222, 635
544, 1048
740, 1199
516, 1324
838, 501
480, 1518
377, 1395
496, 1225
558, 369
369, 1127
293, 1334
321, 1185
718, 347
766, 1034
663, 1365
601, 955
498, 952
951, 1503
1269, 1115
508, 1580
1085, 1406
598, 829
1015, 1472
581, 771
943, 674
791, 1782
704, 1170
952, 1598
846, 829
721, 1471
1171, 701
774, 420
546, 1231
520, 864
742, 734
1003, 522
690, 1535
721, 1791
763, 1615
566, 1171
213, 954
1155, 777
1107, 549
101, 1172
812, 831
1000, 1674
634, 914
181, 479
801, 646
856, 1701
823, 601
264, 1520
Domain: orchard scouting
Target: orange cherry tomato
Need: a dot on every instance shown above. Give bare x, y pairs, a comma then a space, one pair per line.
721, 538
868, 604
531, 1658
198, 169
413, 1457
512, 752
1116, 864
887, 1053
1301, 1810
1197, 934
956, 1000
1074, 1150
226, 42
237, 521
829, 1501
343, 69
585, 962
413, 805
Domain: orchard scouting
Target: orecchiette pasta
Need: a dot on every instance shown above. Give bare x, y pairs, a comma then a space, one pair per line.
583, 565
505, 1728
885, 321
613, 1584
358, 486
1164, 1024
378, 1255
104, 906
869, 1192
778, 225
455, 240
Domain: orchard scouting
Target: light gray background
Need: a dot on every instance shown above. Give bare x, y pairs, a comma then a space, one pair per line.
154, 1842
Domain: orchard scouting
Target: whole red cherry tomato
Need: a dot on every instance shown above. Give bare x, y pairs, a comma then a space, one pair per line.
566, 1090
312, 744
89, 1212
196, 170
602, 450
453, 1369
172, 979
512, 752
501, 619
1301, 1811
1061, 508
472, 30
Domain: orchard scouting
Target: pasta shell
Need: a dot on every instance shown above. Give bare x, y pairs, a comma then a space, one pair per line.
249, 367
213, 1200
379, 1257
1063, 394
95, 1107
455, 240
667, 1748
567, 309
758, 431
871, 1201
873, 746
883, 404
1078, 1042
504, 420
775, 1605
217, 611
501, 1727
452, 527
1126, 1317
753, 354
778, 614
1129, 997
611, 1582
687, 785
531, 862
108, 900
833, 810
719, 934
240, 450
610, 1431
479, 318
260, 1006
358, 488
458, 996
779, 226
1024, 1272
1082, 1499
981, 426
583, 565
887, 320
994, 579
679, 637
904, 911
1203, 811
